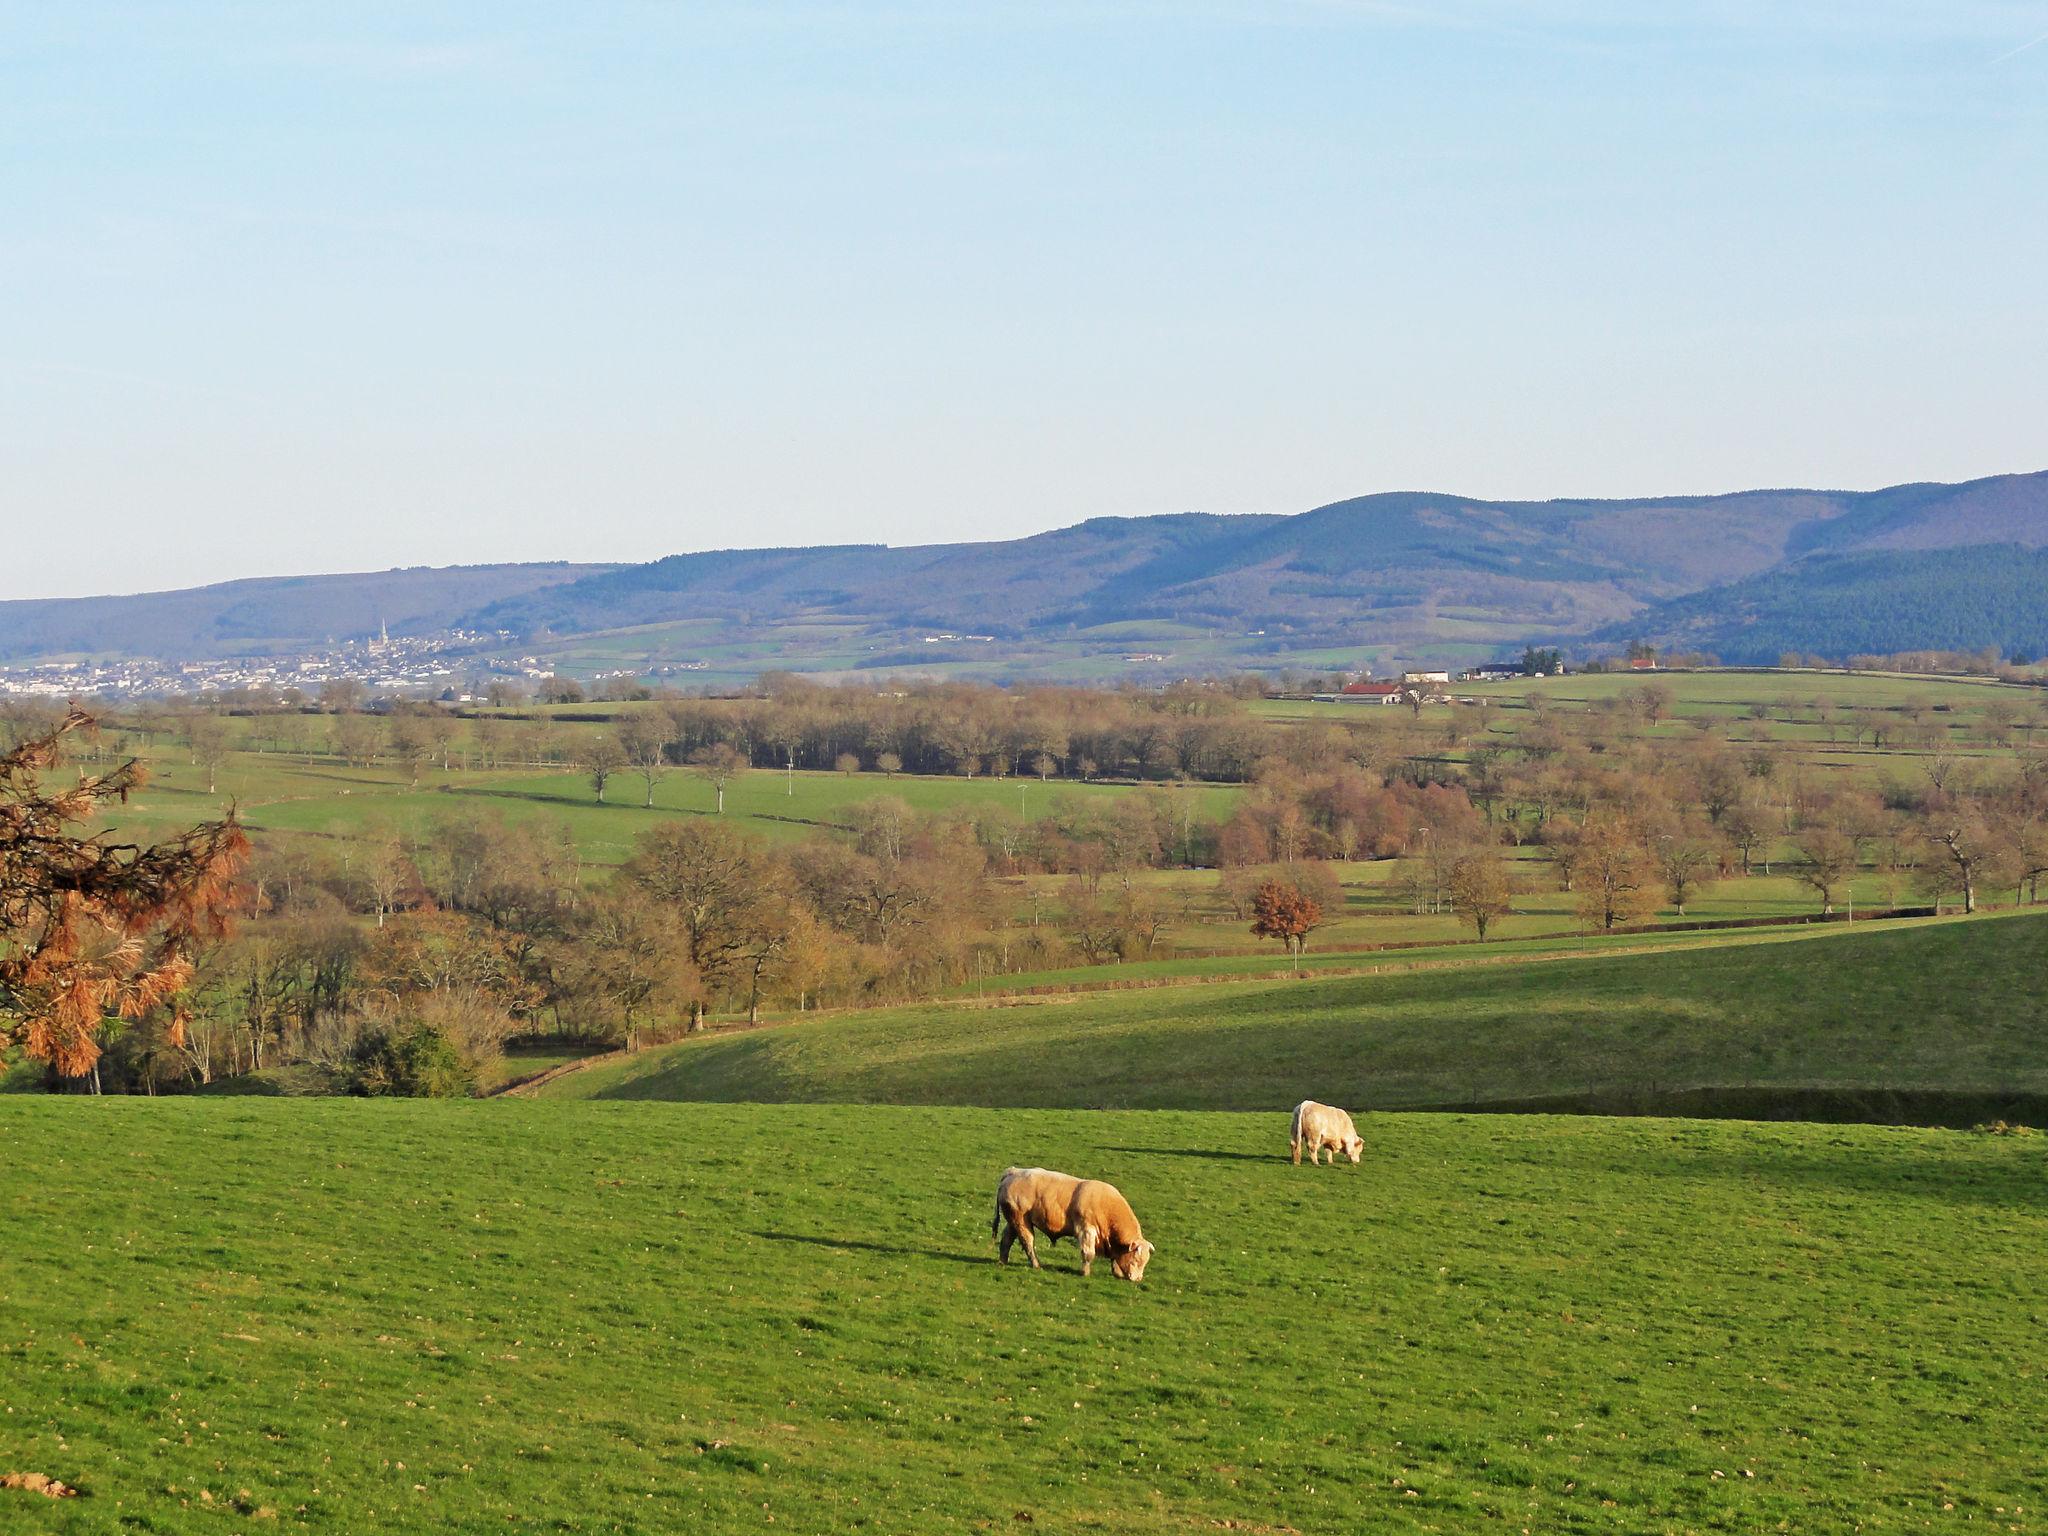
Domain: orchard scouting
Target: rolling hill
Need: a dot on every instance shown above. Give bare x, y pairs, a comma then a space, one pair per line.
1934, 1022
268, 615
1872, 602
1405, 567
1420, 573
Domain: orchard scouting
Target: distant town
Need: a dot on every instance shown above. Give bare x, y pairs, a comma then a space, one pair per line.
404, 665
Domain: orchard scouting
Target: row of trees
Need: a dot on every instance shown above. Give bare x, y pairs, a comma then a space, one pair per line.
1188, 731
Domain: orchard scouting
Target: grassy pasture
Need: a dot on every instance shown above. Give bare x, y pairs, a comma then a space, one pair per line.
1949, 1006
289, 794
357, 1317
1437, 951
1374, 913
1723, 695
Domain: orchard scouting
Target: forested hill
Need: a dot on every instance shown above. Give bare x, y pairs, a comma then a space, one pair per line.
1423, 572
268, 614
1413, 568
1870, 604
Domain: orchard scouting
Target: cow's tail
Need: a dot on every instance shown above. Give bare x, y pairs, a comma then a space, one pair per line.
995, 1227
1294, 1133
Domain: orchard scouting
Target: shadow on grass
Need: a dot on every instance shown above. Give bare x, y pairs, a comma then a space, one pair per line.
1954, 1109
893, 1250
1204, 1152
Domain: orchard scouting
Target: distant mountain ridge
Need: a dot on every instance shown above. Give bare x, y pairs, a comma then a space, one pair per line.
1425, 573
1874, 602
262, 615
1412, 568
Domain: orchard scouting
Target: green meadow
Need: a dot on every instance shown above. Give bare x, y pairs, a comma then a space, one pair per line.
1781, 701
289, 795
520, 1316
1939, 1007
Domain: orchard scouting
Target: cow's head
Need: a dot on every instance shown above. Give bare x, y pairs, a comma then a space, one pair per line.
1130, 1263
1354, 1147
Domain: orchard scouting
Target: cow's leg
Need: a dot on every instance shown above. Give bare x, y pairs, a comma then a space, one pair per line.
1295, 1147
1086, 1238
1030, 1248
1009, 1237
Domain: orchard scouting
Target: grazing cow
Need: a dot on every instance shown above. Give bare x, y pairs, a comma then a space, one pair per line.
1094, 1214
1322, 1128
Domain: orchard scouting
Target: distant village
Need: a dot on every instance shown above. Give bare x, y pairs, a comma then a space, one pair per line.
405, 665
461, 665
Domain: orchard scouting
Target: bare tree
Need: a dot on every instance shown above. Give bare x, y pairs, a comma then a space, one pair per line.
207, 735
1747, 828
355, 740
714, 880
718, 765
412, 746
1830, 863
601, 759
1480, 890
632, 952
644, 739
1685, 857
1613, 874
1968, 845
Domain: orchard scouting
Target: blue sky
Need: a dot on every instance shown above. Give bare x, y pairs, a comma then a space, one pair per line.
299, 288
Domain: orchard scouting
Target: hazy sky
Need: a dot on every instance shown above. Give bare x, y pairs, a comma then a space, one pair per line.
321, 287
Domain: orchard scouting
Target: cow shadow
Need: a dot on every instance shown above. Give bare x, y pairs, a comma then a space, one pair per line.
892, 1250
1203, 1152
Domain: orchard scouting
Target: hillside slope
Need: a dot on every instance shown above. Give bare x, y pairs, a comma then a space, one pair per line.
1872, 602
1951, 1008
348, 1316
1421, 572
268, 614
1404, 566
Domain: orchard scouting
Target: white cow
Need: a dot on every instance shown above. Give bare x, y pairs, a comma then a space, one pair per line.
1323, 1128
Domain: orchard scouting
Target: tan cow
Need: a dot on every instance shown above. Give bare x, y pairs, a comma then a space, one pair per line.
1321, 1129
1094, 1214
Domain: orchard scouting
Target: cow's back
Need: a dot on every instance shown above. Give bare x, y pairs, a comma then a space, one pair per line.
1040, 1196
1322, 1123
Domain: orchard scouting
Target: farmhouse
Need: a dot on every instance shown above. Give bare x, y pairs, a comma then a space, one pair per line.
1369, 693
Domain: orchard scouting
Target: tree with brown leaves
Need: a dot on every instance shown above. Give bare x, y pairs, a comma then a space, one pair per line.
92, 929
1480, 889
1279, 911
1614, 874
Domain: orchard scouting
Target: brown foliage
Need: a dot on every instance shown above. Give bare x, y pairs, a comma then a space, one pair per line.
1279, 911
89, 928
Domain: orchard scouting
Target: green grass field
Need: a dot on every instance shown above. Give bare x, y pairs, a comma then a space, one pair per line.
1441, 951
344, 1316
1943, 1006
289, 795
1793, 709
1727, 695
